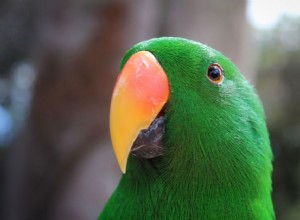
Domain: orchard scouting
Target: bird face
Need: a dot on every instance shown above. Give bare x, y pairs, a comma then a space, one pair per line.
190, 133
182, 99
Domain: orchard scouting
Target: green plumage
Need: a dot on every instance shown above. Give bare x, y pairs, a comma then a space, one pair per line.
217, 156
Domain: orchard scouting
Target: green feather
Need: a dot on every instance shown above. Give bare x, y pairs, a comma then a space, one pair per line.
217, 160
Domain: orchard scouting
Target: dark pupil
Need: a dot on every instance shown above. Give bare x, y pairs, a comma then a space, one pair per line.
214, 72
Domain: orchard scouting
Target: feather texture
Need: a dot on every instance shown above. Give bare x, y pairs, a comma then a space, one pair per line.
217, 160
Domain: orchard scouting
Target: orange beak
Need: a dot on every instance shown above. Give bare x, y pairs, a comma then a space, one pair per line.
141, 91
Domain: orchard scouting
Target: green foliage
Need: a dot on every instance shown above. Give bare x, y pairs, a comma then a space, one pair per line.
217, 159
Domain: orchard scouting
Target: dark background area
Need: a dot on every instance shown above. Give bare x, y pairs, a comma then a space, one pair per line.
59, 60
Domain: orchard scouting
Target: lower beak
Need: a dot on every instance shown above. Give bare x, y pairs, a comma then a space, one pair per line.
141, 91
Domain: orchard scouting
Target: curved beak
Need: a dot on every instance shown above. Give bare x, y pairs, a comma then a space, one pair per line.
141, 91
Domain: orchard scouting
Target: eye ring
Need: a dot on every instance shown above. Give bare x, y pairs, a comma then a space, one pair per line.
215, 74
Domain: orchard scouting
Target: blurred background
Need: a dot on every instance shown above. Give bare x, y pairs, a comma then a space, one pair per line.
59, 60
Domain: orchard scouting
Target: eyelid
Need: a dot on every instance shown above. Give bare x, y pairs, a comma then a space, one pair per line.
216, 64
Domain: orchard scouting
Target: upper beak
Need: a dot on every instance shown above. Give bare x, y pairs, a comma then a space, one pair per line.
141, 91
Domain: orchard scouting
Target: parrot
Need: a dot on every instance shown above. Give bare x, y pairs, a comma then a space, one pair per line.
189, 134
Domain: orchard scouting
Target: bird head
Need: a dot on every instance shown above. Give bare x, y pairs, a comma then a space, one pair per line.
188, 105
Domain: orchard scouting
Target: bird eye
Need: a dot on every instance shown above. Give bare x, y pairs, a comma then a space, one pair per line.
215, 74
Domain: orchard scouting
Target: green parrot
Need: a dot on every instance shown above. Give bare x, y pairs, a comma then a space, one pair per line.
190, 137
